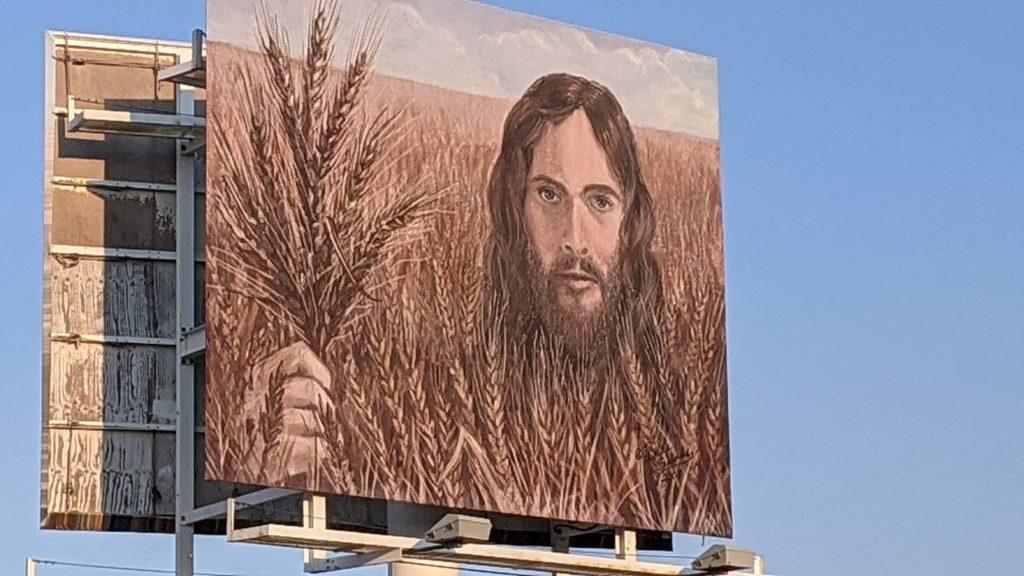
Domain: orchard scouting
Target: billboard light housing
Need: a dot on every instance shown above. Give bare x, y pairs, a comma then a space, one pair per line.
459, 529
720, 558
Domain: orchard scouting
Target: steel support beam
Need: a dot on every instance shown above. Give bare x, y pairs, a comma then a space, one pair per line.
184, 479
220, 509
192, 344
192, 71
99, 426
625, 544
314, 516
336, 563
115, 185
183, 125
111, 340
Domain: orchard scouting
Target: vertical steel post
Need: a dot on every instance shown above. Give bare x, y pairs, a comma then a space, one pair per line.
30, 567
625, 544
559, 543
758, 565
184, 436
314, 515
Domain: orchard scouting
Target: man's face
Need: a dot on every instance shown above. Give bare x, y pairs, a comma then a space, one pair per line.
573, 209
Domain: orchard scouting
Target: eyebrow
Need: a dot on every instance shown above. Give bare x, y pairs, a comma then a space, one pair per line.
547, 180
588, 189
602, 189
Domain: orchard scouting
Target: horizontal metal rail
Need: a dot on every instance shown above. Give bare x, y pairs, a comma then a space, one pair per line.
193, 344
97, 425
116, 185
220, 509
101, 253
74, 338
178, 126
119, 45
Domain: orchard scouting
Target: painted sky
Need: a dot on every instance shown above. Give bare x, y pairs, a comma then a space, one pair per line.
483, 50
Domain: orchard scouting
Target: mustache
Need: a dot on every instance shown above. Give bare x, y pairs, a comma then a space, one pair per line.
567, 262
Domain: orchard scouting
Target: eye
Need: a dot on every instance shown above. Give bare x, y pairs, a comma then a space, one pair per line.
602, 202
548, 194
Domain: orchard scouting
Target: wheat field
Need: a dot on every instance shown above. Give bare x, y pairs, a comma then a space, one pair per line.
347, 210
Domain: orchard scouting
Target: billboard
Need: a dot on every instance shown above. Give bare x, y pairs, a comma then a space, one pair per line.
465, 258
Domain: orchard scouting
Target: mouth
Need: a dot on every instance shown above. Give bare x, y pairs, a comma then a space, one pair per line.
576, 280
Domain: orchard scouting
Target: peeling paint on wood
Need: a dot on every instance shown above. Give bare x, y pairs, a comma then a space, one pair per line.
122, 298
96, 472
93, 382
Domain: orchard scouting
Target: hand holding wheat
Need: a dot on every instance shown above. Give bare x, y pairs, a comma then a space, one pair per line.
287, 392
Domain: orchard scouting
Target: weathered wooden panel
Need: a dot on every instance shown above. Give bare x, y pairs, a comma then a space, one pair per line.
97, 383
115, 219
119, 298
100, 472
163, 479
113, 81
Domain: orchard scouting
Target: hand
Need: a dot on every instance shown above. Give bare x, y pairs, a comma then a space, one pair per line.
287, 391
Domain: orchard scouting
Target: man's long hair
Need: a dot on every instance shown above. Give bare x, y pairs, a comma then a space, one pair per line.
550, 100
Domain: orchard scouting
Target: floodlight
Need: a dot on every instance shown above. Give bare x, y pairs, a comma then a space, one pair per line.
458, 529
721, 558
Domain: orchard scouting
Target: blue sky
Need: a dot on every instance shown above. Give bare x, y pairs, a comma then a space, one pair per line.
873, 167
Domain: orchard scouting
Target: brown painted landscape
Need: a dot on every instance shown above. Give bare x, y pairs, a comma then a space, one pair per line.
366, 241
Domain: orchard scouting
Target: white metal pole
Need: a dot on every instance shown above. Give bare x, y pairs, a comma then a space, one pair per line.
625, 544
184, 458
758, 565
30, 567
314, 515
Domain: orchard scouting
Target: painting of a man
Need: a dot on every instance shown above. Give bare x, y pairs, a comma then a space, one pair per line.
499, 289
572, 220
569, 257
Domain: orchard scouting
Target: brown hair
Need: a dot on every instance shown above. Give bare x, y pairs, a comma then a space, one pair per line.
548, 101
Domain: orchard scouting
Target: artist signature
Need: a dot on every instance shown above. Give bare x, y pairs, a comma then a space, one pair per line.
662, 463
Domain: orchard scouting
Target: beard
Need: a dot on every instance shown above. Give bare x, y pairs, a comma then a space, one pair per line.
573, 325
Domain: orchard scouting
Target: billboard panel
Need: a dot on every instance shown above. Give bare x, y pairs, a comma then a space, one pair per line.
465, 258
109, 327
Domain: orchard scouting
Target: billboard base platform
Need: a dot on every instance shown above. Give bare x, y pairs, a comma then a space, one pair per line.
328, 550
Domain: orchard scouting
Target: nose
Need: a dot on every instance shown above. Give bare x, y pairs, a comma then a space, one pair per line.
575, 236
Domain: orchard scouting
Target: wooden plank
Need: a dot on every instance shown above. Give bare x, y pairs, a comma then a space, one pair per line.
113, 218
105, 473
112, 384
163, 473
123, 298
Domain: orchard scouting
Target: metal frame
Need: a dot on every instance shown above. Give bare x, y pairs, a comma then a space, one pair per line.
364, 549
191, 72
183, 125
